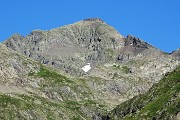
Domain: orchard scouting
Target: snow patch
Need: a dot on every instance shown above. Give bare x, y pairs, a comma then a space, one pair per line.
87, 67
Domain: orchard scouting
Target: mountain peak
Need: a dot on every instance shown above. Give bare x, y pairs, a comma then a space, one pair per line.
94, 20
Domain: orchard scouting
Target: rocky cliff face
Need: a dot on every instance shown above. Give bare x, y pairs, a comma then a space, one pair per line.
119, 67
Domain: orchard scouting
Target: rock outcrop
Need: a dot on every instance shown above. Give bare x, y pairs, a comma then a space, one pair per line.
176, 54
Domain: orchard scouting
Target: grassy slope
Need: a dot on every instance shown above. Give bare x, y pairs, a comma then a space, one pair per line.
34, 106
162, 101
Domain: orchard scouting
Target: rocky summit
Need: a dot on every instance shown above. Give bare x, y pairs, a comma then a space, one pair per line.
77, 71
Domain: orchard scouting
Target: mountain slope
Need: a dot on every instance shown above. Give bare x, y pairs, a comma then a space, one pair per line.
162, 101
30, 90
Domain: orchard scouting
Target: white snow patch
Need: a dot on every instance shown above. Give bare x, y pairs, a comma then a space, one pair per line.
87, 67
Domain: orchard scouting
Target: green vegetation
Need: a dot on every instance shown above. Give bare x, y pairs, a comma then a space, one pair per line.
11, 107
6, 100
47, 74
67, 89
51, 77
73, 105
124, 69
31, 73
110, 54
162, 101
26, 107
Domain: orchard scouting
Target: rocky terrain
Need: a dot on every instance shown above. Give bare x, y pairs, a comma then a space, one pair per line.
43, 71
176, 54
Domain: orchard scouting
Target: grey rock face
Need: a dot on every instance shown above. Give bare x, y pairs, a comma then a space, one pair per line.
79, 43
135, 42
132, 47
176, 54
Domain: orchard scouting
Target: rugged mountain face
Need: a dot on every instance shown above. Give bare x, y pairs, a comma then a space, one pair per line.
162, 101
128, 66
118, 68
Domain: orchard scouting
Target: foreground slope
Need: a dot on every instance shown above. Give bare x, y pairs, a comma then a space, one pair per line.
162, 102
30, 90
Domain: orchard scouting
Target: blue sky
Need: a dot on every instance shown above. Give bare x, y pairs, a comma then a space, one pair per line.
154, 21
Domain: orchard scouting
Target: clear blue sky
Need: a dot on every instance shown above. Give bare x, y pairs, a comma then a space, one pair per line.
155, 21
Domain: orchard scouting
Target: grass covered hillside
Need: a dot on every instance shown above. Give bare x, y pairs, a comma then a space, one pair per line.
161, 102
